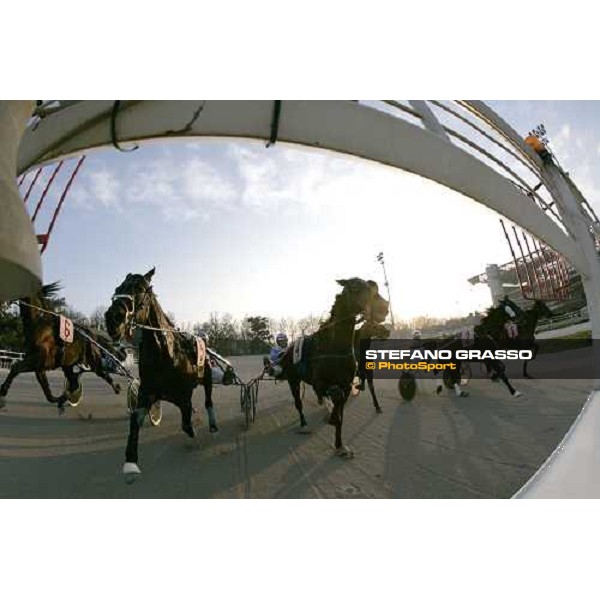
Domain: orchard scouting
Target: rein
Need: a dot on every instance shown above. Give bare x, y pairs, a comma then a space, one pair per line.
134, 324
49, 312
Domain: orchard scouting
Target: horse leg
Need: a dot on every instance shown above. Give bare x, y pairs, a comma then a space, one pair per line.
136, 420
21, 366
75, 391
535, 349
43, 381
369, 378
460, 393
339, 397
455, 383
208, 403
513, 392
294, 383
99, 370
186, 415
500, 374
72, 378
363, 376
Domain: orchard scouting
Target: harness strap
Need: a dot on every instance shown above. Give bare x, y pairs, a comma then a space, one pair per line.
113, 129
275, 123
125, 372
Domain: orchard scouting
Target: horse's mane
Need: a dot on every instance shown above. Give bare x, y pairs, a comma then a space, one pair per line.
163, 320
324, 328
332, 313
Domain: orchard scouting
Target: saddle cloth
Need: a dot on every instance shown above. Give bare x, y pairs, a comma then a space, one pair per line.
200, 355
65, 329
511, 329
297, 350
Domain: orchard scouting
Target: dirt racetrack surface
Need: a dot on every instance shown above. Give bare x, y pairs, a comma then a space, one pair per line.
484, 446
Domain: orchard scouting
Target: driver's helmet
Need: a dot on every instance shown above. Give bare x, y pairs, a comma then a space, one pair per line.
281, 339
416, 335
203, 335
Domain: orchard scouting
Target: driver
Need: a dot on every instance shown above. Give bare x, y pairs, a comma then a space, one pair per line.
272, 363
215, 371
417, 339
511, 314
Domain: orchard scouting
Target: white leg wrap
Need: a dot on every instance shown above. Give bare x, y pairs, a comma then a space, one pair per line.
131, 469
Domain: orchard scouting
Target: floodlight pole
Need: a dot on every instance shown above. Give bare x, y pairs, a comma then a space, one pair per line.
387, 285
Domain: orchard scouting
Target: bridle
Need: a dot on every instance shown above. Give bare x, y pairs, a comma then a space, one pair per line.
128, 302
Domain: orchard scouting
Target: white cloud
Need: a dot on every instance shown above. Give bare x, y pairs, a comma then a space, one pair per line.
202, 183
104, 187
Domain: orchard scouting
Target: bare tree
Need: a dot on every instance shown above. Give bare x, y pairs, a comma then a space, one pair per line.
309, 325
97, 317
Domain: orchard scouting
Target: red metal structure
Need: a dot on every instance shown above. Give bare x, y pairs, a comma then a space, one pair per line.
44, 238
542, 273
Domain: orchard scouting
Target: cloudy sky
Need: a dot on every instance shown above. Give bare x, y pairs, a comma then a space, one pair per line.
235, 228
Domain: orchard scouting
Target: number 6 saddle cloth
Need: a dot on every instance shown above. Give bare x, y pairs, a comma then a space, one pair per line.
200, 357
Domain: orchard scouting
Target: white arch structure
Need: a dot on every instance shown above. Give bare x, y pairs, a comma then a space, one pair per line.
462, 145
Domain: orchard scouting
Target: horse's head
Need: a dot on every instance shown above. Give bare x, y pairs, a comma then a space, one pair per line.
130, 304
362, 297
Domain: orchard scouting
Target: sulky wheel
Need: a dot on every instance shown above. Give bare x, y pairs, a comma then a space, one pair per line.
248, 407
155, 413
73, 398
254, 401
132, 394
448, 379
407, 386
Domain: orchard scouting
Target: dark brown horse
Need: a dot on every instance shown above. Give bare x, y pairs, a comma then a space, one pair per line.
168, 360
328, 362
45, 351
368, 331
493, 324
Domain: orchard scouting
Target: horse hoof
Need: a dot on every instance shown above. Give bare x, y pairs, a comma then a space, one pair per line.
344, 452
379, 410
117, 389
463, 394
517, 394
213, 429
304, 429
131, 472
439, 389
189, 431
